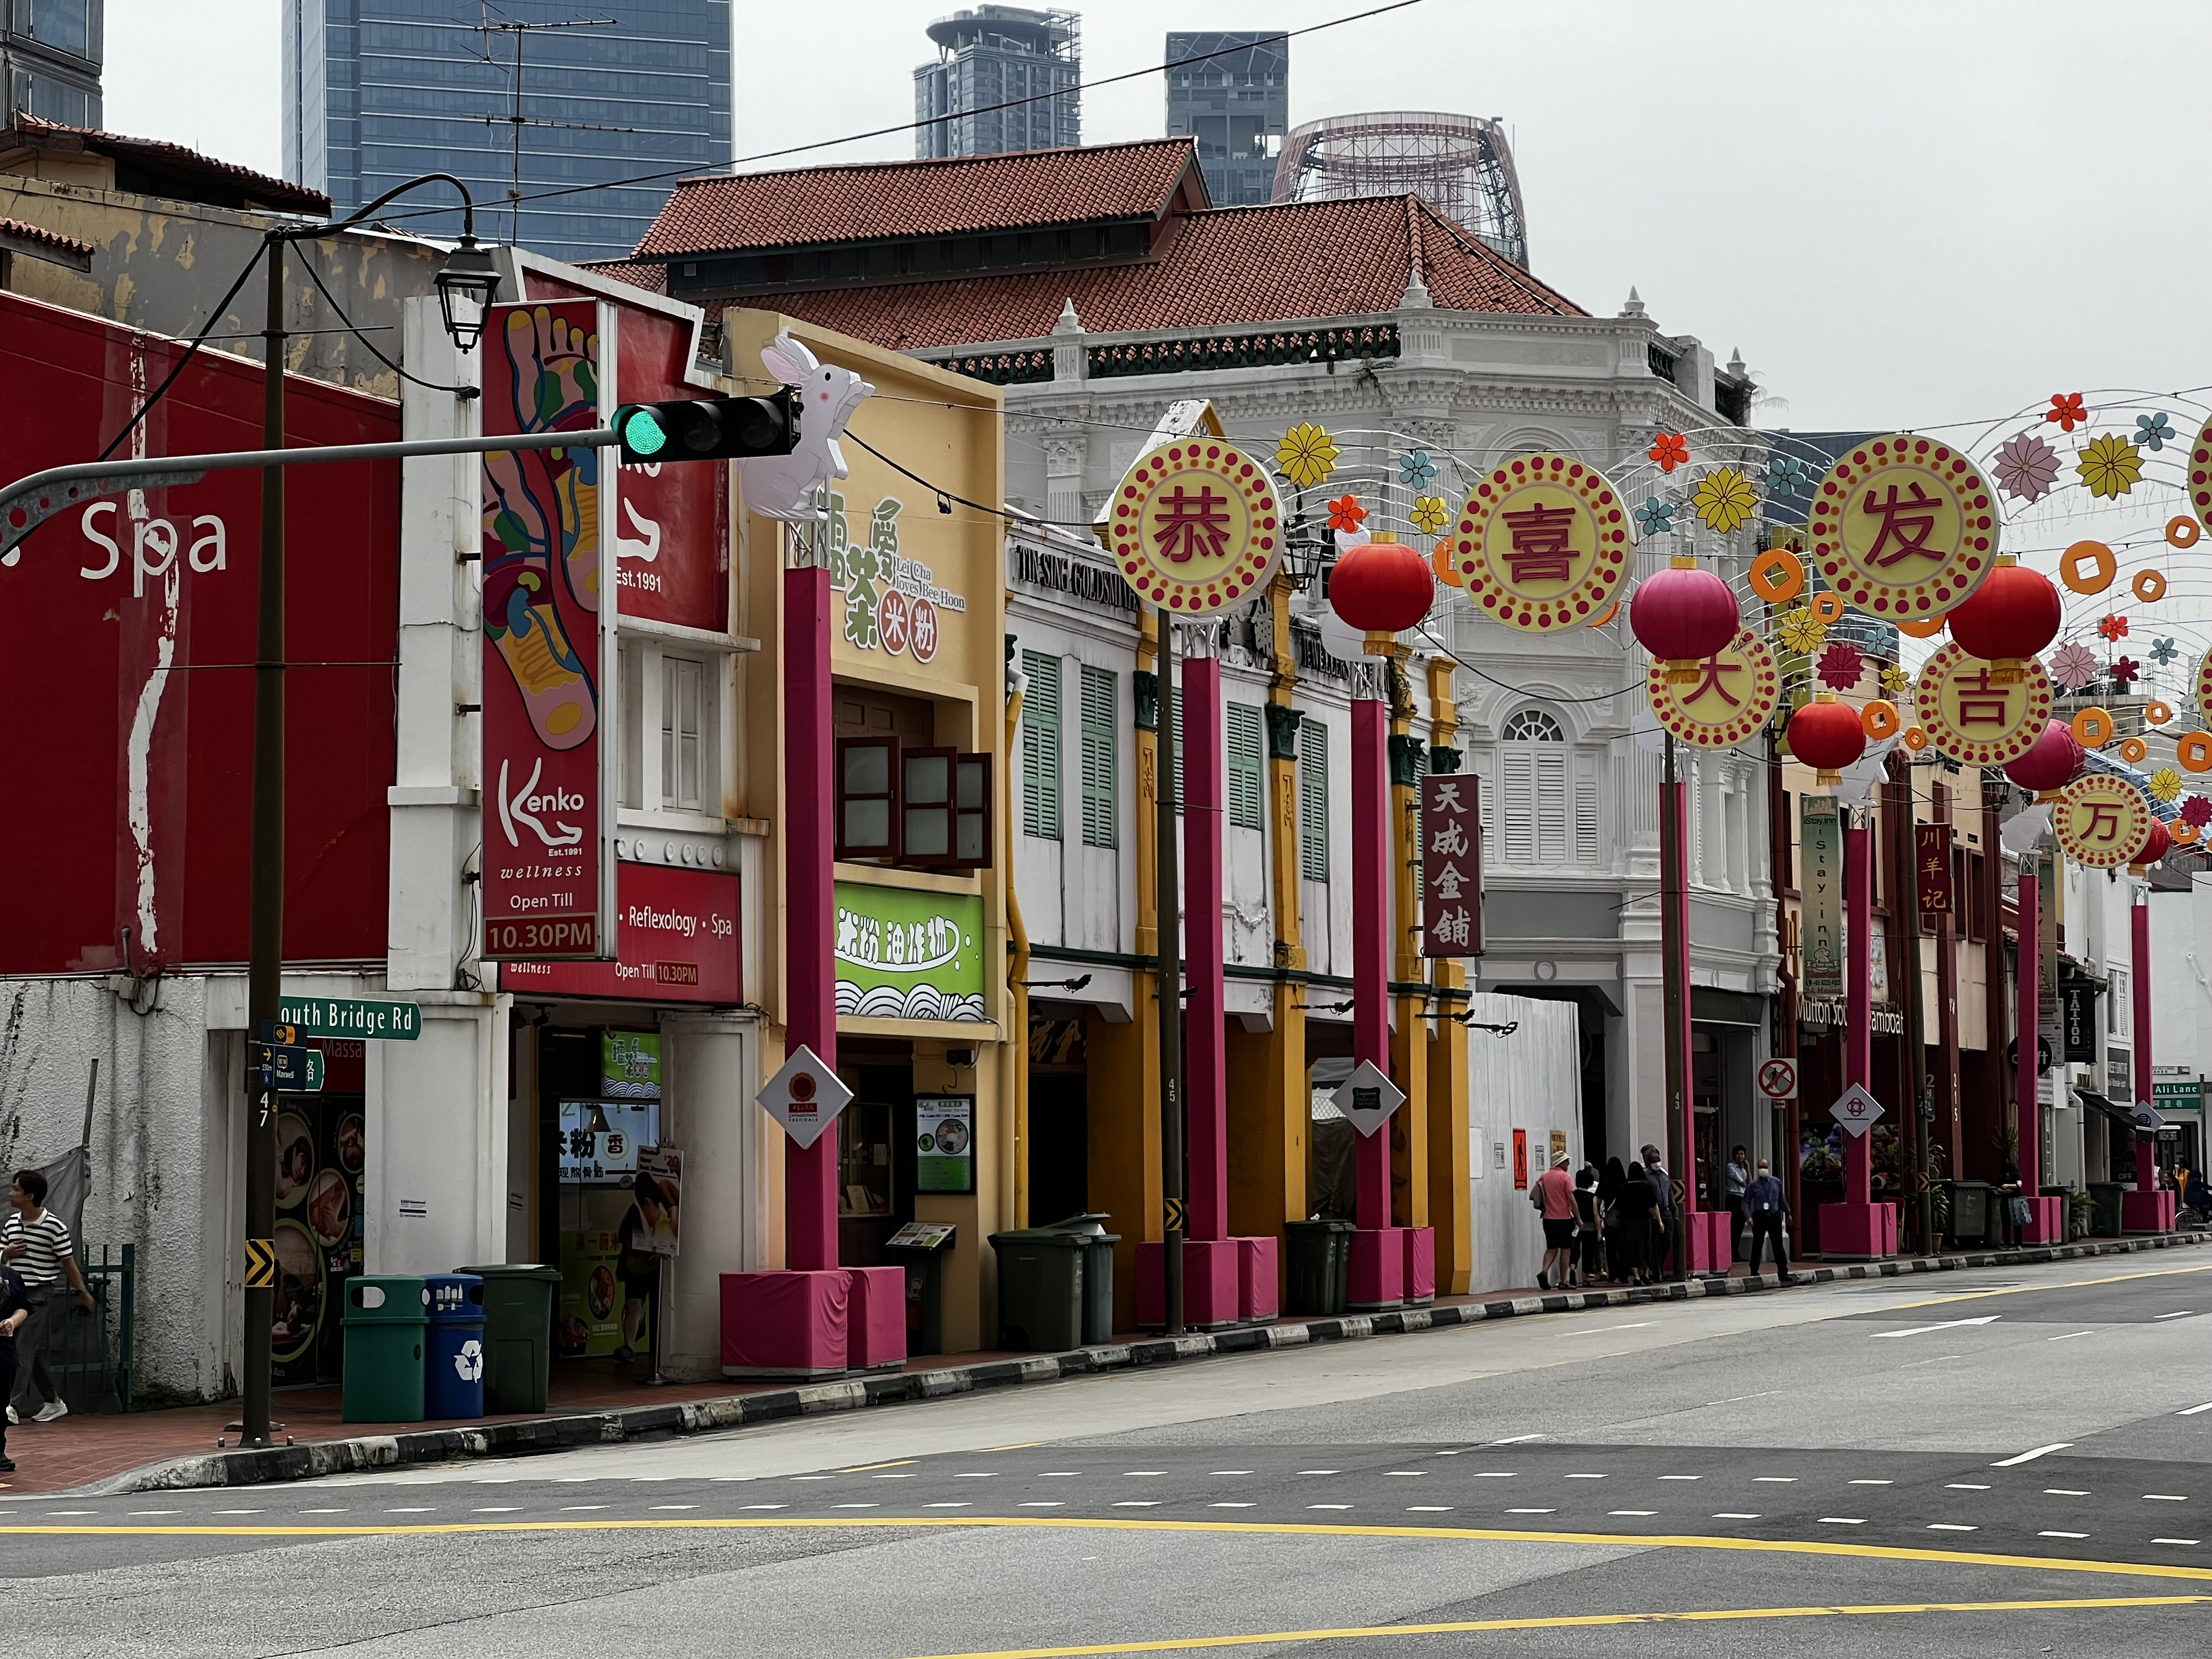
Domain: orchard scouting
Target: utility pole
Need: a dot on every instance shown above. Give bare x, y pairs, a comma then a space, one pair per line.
514, 118
1168, 900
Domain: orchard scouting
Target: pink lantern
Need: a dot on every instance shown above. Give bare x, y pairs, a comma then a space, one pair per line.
1683, 614
1827, 736
2054, 762
2156, 844
1382, 586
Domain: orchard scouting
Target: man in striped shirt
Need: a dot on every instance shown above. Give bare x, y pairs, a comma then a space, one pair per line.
36, 1243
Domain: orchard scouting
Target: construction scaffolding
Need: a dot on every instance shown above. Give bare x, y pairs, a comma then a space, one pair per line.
1460, 165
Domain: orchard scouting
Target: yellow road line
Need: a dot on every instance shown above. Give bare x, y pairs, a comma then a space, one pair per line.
1078, 1523
1573, 1621
896, 1463
2030, 1290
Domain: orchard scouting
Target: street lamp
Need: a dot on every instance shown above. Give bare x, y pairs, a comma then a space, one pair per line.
467, 287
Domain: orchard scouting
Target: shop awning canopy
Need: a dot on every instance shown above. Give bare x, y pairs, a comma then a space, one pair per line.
2138, 1118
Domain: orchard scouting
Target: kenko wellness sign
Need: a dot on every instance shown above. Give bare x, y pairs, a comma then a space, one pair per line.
676, 933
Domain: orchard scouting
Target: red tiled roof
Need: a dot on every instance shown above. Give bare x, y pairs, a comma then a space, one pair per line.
870, 200
43, 240
1287, 262
653, 279
172, 167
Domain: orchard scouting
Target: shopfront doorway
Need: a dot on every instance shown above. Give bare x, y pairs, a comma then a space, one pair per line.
321, 1153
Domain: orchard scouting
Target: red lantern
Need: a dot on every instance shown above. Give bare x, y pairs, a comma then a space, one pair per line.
1382, 587
1827, 736
1683, 614
2155, 848
2013, 615
2053, 762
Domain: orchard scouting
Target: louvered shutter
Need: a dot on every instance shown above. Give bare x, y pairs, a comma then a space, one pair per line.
1041, 746
1101, 822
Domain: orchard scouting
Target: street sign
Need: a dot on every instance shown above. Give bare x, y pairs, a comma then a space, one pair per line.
344, 1017
2042, 1056
260, 1264
270, 1031
286, 1067
1777, 1079
1367, 1098
805, 1097
1856, 1110
1177, 1219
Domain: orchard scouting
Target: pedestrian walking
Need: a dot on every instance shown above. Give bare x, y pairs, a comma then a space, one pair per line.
1629, 1226
2013, 1209
15, 1313
1769, 1209
1555, 1198
1663, 1212
1589, 1227
1733, 1180
35, 1243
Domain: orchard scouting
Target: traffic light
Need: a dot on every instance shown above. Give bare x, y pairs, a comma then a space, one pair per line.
708, 430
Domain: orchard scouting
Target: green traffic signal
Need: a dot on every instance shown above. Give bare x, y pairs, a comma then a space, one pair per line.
641, 435
708, 428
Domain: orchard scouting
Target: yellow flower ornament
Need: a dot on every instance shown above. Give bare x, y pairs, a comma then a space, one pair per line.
1725, 499
2110, 466
1306, 455
1430, 514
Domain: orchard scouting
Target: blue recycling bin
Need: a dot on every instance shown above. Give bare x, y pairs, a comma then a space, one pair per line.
454, 1349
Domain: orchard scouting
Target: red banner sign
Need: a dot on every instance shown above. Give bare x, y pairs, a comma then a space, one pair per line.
1931, 869
678, 933
1451, 865
549, 640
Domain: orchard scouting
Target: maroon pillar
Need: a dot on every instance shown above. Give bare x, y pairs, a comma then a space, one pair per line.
1371, 939
1205, 1078
810, 1175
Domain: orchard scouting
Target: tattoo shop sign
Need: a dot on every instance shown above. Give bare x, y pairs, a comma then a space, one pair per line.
891, 603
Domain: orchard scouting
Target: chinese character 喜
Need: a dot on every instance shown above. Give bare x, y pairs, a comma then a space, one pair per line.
1543, 548
1192, 525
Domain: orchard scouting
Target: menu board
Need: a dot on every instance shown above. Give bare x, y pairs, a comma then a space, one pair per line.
945, 1144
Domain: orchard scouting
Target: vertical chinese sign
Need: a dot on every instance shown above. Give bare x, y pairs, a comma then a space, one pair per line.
1821, 897
548, 641
1451, 865
1931, 868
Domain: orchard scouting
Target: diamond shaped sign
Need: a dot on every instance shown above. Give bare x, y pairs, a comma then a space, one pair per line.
1367, 1097
805, 1097
1856, 1110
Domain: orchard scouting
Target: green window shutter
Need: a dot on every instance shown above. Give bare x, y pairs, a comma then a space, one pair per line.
1041, 746
1312, 801
1246, 767
1420, 842
1101, 822
1171, 709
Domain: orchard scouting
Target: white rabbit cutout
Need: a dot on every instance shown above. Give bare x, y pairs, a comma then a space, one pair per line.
785, 486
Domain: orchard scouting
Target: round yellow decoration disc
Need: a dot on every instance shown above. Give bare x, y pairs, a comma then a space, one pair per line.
2100, 820
1542, 544
1195, 526
1976, 717
1729, 698
1904, 528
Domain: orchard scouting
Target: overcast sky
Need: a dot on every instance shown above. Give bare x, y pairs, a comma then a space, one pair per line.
1905, 214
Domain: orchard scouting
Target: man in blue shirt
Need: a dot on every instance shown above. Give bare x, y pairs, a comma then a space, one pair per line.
1767, 1204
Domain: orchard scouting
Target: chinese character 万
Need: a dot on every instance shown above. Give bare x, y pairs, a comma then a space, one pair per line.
1446, 882
1714, 669
1987, 704
1449, 841
1543, 549
1910, 522
1453, 927
2104, 823
1192, 525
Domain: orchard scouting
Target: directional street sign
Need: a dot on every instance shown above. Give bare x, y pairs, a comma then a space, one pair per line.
1177, 1219
1856, 1110
271, 1031
346, 1016
286, 1067
1777, 1079
805, 1097
260, 1264
1367, 1098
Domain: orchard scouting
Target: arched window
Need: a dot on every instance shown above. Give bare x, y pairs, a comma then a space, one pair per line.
1533, 726
1532, 788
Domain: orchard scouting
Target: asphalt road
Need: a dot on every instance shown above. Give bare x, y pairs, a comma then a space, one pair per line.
1996, 1462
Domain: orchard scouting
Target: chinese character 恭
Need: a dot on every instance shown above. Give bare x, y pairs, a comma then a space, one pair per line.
1543, 549
1910, 522
1714, 669
1191, 524
1449, 841
1987, 706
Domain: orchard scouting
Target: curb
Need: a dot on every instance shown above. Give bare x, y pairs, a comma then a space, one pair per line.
613, 1427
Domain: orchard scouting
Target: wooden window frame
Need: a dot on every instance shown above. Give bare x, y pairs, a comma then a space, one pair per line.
908, 808
847, 849
987, 811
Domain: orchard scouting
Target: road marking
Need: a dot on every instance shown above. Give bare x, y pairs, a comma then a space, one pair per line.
1737, 1399
1018, 1445
1137, 1503
237, 1511
2174, 1540
2030, 1290
853, 1507
1947, 1325
2195, 1411
1951, 1526
568, 1508
814, 1477
1126, 1472
2069, 1336
138, 1512
1843, 1520
2184, 1313
1428, 1509
946, 1505
414, 1509
1681, 1477
1734, 1514
891, 1476
1531, 1511
2164, 1498
1940, 1358
1873, 1483
1494, 1474
1394, 1473
2062, 1492
1307, 1471
2061, 1535
1585, 1477
1059, 1474
993, 1475
747, 1506
1229, 1471
1966, 1486
1645, 1512
1775, 1479
1229, 1506
1040, 1503
1599, 1330
2030, 1457
1516, 1440
1328, 1506
1569, 1621
302, 1511
509, 1509
672, 1506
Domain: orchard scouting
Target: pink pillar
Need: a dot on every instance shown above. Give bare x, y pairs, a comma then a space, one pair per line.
1205, 1081
1370, 938
2146, 1145
810, 1176
2030, 994
1858, 980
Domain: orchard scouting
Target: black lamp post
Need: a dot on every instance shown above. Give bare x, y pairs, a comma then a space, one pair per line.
467, 288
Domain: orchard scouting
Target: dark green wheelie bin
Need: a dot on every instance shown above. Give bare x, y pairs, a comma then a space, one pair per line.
1320, 1265
1097, 1273
519, 1299
2104, 1220
1041, 1288
386, 1317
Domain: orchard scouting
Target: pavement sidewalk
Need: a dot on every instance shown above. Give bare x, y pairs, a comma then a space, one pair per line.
597, 1402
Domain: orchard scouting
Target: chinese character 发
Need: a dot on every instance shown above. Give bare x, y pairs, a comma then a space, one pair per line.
1446, 882
1449, 841
1543, 549
1910, 522
1192, 525
2105, 817
1714, 669
1987, 706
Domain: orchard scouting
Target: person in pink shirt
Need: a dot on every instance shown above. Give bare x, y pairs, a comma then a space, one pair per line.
1555, 1197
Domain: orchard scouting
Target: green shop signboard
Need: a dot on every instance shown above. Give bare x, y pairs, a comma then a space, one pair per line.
902, 955
629, 1065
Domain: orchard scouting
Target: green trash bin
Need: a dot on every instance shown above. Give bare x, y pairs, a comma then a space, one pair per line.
1041, 1288
2104, 1218
1098, 1273
1973, 1211
518, 1310
1320, 1266
385, 1317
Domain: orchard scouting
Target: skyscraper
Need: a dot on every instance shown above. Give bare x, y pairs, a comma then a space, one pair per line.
50, 56
991, 57
1231, 92
377, 92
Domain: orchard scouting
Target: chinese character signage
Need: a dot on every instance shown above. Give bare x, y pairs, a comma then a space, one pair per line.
1974, 715
1195, 526
1542, 544
1451, 865
1821, 894
891, 602
1731, 695
903, 955
1904, 528
945, 1144
1931, 868
2101, 821
549, 876
629, 1065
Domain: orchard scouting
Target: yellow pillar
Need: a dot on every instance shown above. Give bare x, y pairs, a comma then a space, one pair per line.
1450, 1199
1409, 1031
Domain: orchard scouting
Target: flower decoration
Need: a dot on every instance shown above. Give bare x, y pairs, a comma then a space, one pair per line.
2066, 410
2073, 667
1430, 514
1345, 514
1895, 680
2111, 466
1415, 469
2125, 672
1655, 517
1725, 499
2153, 432
1841, 666
2113, 627
2027, 467
2163, 651
1802, 631
1785, 474
1306, 455
2196, 811
1670, 450
2165, 783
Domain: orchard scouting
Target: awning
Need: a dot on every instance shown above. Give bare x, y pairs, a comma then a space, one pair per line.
2096, 1103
